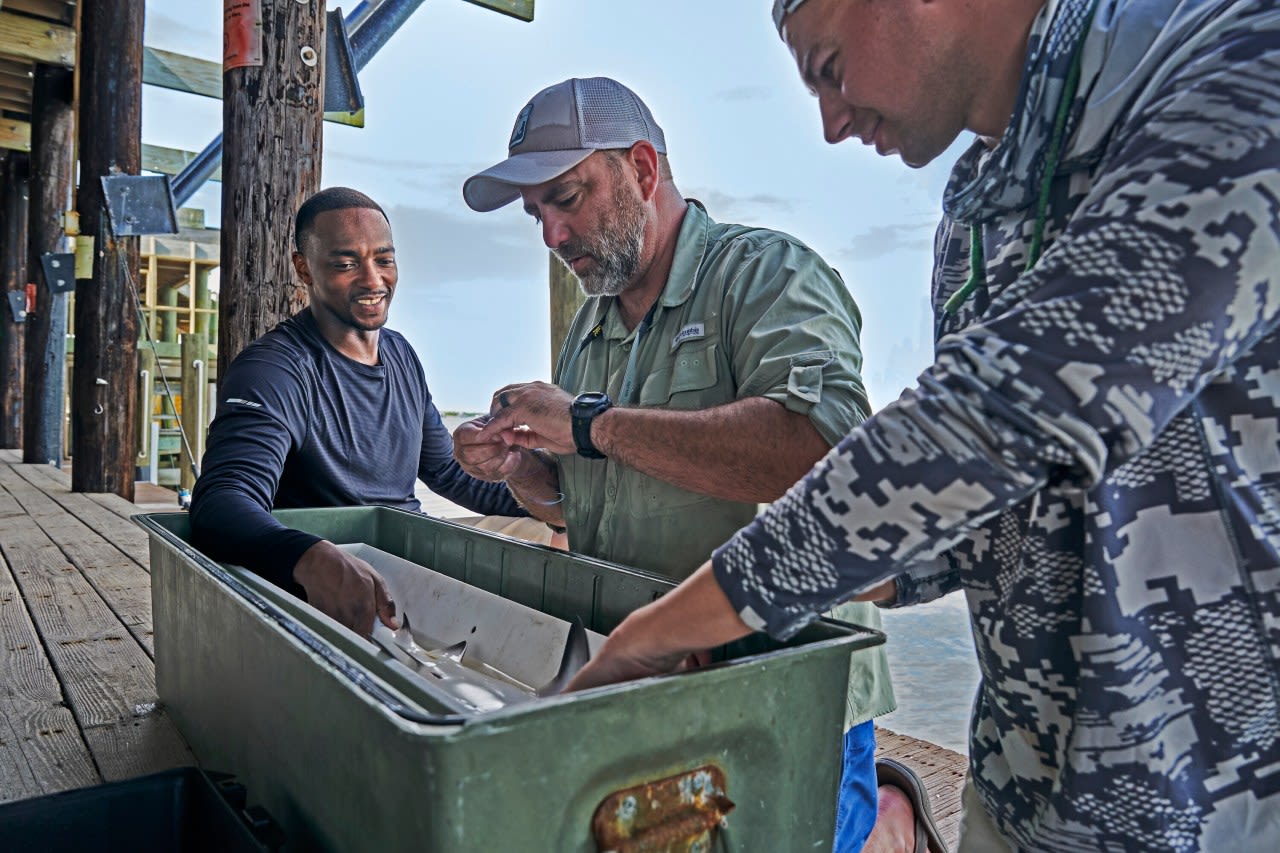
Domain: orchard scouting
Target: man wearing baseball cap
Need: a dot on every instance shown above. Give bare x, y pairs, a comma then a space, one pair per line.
710, 367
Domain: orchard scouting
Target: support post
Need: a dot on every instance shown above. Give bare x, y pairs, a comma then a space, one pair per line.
52, 139
168, 318
147, 368
195, 395
202, 301
566, 298
106, 322
13, 276
272, 118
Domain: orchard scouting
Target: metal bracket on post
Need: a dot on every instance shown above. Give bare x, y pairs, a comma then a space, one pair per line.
59, 271
18, 305
342, 95
139, 204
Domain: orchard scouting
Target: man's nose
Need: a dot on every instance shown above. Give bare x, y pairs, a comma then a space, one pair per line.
837, 117
554, 232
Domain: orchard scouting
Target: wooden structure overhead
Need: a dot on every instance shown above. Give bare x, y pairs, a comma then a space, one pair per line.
31, 31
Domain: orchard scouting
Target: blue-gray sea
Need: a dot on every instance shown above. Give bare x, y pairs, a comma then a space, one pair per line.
934, 671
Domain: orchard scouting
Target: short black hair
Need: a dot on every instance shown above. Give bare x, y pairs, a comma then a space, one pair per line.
331, 198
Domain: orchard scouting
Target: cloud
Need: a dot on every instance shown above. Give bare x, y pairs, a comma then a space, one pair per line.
744, 93
438, 250
880, 240
727, 207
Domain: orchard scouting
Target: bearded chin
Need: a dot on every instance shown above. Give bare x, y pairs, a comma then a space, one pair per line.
617, 262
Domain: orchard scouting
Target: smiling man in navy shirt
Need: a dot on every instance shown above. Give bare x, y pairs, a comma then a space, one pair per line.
327, 409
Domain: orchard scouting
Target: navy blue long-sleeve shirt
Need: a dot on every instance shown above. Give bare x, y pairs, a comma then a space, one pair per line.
300, 425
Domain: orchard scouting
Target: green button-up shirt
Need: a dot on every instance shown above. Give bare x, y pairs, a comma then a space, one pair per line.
746, 312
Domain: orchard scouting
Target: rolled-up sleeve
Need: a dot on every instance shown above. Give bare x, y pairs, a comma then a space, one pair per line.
793, 330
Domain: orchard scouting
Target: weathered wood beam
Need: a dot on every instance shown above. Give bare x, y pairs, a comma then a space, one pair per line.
103, 398
15, 135
181, 73
201, 77
13, 278
169, 161
44, 387
54, 10
271, 161
566, 297
38, 41
522, 9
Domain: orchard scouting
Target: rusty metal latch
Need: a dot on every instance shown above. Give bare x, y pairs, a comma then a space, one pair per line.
678, 814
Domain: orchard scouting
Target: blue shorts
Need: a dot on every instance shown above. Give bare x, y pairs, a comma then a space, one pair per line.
856, 804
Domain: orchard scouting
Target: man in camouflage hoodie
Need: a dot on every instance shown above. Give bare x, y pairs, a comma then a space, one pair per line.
1094, 456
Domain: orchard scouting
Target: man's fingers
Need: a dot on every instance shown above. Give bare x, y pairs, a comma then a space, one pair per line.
385, 604
492, 432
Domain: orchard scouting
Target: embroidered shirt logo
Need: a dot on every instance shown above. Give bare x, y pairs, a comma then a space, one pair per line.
522, 126
688, 333
241, 402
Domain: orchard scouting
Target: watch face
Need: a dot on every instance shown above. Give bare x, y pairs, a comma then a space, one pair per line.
589, 400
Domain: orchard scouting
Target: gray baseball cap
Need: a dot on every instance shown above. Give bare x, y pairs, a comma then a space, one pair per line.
559, 128
782, 8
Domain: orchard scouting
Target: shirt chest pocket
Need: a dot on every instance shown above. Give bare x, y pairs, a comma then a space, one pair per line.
687, 380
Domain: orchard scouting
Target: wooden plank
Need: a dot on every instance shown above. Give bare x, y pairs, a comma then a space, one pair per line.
942, 770
54, 10
106, 514
203, 77
14, 105
181, 73
15, 135
148, 743
108, 679
16, 67
122, 583
41, 751
38, 41
170, 161
521, 9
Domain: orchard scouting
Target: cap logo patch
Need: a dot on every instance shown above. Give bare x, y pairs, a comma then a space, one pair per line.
522, 125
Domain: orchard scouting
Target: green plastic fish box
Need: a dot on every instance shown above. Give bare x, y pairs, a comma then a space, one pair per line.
349, 751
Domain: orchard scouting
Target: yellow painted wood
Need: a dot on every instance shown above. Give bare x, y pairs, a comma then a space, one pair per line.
181, 73
15, 135
22, 37
169, 161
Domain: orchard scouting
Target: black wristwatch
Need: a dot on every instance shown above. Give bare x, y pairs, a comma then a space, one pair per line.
585, 408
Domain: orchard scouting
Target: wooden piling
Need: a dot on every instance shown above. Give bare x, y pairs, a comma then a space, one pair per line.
106, 322
52, 167
195, 415
13, 278
566, 298
272, 116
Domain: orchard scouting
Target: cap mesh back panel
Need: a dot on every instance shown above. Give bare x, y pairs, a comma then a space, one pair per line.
610, 121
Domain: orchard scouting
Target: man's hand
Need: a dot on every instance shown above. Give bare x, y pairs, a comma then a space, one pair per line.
486, 456
532, 414
661, 636
345, 587
624, 658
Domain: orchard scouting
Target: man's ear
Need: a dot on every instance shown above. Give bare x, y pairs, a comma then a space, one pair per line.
644, 159
301, 268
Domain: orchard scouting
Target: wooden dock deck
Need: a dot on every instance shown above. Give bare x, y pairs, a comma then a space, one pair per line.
78, 700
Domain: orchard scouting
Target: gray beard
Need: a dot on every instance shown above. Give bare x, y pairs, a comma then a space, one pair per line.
617, 248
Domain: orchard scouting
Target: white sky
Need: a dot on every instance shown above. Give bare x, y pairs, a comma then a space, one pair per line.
742, 133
